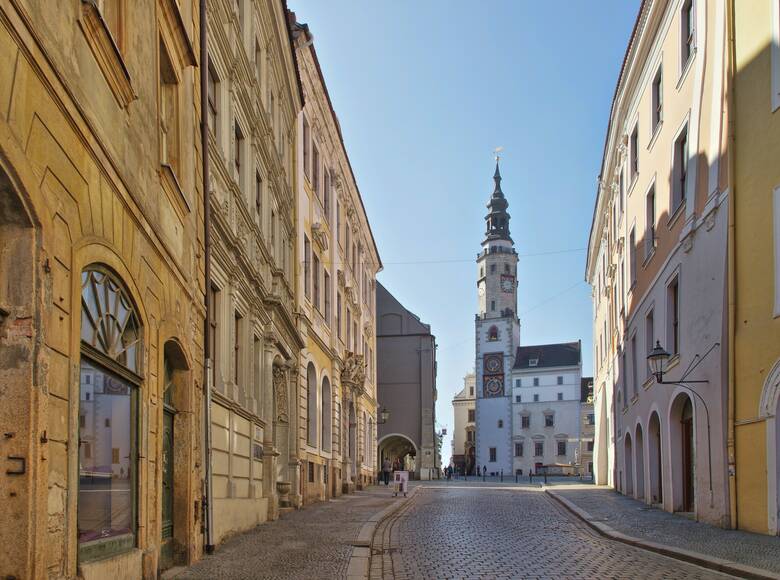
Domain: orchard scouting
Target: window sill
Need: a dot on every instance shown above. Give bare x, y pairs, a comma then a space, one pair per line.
673, 362
685, 68
648, 257
675, 215
174, 190
634, 179
634, 399
648, 382
106, 53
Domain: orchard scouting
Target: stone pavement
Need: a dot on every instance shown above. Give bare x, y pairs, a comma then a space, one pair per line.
451, 531
312, 543
634, 518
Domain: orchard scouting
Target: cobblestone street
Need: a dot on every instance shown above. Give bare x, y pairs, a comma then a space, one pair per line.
478, 532
315, 542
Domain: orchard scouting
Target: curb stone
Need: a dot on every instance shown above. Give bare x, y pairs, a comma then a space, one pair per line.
703, 560
359, 561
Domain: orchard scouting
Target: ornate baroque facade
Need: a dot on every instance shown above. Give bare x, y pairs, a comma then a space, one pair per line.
254, 101
101, 299
336, 300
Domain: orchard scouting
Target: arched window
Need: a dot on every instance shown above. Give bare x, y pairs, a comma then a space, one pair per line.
311, 405
327, 416
108, 411
493, 333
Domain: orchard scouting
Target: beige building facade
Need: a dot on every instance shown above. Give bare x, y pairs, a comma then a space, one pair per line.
253, 103
101, 289
336, 300
657, 265
464, 429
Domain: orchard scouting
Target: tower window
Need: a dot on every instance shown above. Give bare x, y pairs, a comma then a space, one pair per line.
500, 423
506, 268
493, 333
492, 268
492, 304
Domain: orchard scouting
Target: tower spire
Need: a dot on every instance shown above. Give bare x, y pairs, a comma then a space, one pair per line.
497, 219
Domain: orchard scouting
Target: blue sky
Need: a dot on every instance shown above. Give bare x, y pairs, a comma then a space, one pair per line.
424, 90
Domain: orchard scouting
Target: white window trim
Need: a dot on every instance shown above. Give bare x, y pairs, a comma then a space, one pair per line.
775, 55
776, 214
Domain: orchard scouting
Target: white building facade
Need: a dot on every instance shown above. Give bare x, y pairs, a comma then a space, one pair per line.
546, 408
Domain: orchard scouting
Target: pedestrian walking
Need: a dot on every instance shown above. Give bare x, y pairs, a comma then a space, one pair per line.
387, 467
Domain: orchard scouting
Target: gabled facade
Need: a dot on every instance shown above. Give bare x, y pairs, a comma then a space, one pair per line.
336, 300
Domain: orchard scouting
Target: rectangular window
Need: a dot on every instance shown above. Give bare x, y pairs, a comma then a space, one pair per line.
590, 446
622, 191
623, 379
591, 419
107, 465
632, 256
536, 398
560, 380
306, 141
259, 66
349, 329
680, 170
259, 200
686, 32
306, 266
673, 313
214, 331
650, 222
634, 385
213, 90
561, 448
470, 436
237, 349
649, 336
326, 193
560, 396
315, 169
549, 420
518, 449
658, 99
316, 282
326, 292
634, 153
471, 415
525, 421
169, 112
518, 399
492, 455
338, 315
354, 336
237, 152
500, 424
538, 448
536, 381
776, 212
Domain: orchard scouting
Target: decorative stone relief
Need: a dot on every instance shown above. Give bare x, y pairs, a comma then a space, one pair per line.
280, 392
354, 372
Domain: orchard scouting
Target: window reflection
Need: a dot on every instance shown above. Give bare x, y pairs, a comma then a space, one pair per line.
106, 475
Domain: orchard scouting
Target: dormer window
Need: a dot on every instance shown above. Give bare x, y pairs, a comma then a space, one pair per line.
532, 362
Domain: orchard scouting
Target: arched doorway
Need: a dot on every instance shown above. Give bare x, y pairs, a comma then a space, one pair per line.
311, 405
327, 417
683, 454
628, 470
18, 352
655, 459
401, 452
639, 444
175, 455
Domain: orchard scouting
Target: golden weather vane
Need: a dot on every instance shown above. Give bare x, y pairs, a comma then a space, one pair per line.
496, 152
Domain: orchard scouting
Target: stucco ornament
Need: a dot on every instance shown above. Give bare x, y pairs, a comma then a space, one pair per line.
354, 371
280, 392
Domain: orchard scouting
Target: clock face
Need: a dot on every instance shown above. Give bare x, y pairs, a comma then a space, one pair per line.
494, 386
493, 364
507, 283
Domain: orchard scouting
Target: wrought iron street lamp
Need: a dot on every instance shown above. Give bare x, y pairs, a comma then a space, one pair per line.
384, 416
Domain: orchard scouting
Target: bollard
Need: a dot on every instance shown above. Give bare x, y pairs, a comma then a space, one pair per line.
483, 476
530, 477
502, 476
517, 474
545, 477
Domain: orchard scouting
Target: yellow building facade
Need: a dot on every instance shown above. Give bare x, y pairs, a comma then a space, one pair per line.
101, 288
254, 101
336, 300
755, 261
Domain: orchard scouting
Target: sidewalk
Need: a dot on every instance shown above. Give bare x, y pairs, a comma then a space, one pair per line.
631, 521
315, 542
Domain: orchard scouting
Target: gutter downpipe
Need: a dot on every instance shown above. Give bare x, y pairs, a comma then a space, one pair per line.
730, 265
207, 370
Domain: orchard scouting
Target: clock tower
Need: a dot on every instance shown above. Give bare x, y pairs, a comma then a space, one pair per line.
497, 336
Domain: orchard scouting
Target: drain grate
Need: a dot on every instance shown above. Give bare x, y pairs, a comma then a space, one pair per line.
381, 551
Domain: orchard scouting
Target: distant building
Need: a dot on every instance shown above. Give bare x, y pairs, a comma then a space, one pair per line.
406, 360
546, 405
587, 428
464, 430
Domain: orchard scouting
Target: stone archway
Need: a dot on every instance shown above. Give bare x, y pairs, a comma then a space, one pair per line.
769, 408
655, 459
400, 450
628, 468
19, 325
639, 462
